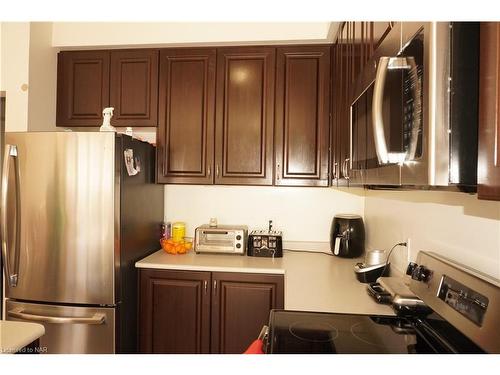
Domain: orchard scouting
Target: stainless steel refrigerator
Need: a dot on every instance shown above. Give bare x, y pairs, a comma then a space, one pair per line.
2, 134
78, 210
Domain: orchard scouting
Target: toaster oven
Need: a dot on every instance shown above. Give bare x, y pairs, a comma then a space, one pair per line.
226, 239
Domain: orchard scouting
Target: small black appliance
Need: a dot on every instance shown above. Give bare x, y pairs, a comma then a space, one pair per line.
265, 243
347, 236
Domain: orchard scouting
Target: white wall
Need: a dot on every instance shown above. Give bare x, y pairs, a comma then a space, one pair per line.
15, 74
101, 34
456, 225
304, 214
42, 78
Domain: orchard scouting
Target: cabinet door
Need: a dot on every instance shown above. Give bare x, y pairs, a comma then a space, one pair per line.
82, 87
240, 307
174, 312
489, 112
342, 138
134, 87
302, 115
186, 116
244, 119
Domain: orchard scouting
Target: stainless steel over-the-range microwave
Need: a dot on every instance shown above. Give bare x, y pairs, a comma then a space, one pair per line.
413, 114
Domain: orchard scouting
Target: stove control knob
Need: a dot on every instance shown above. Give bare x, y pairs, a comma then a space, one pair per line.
421, 273
411, 267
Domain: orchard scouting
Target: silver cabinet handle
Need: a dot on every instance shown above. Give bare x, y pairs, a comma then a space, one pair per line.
385, 63
215, 286
346, 173
10, 152
335, 170
205, 286
209, 171
278, 171
96, 319
217, 170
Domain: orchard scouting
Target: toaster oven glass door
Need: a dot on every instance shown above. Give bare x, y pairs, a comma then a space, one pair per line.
217, 241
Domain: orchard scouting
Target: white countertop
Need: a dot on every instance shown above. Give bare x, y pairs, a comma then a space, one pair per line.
16, 335
313, 281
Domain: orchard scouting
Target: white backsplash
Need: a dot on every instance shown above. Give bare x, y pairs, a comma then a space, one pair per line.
303, 214
455, 225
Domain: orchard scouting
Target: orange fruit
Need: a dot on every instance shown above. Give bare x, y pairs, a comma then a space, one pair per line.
188, 245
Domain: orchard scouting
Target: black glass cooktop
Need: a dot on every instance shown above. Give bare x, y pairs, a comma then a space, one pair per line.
311, 332
306, 332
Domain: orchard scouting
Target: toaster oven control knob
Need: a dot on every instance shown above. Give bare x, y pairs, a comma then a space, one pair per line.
238, 245
411, 267
238, 237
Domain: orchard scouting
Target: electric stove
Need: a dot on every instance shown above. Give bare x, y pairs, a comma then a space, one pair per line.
464, 317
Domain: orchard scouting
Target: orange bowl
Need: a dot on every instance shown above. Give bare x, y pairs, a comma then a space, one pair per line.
175, 247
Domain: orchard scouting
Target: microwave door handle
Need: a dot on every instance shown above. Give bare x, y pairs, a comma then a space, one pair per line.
377, 108
11, 151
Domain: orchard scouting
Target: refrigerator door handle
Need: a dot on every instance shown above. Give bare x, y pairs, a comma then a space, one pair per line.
96, 319
11, 151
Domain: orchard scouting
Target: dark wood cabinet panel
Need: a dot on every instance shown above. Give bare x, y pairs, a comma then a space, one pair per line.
174, 312
489, 112
204, 312
241, 304
186, 116
82, 87
134, 87
302, 115
244, 117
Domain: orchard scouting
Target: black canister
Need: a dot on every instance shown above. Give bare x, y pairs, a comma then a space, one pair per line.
347, 236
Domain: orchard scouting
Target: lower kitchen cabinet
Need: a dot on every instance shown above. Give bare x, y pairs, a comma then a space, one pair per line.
204, 312
240, 307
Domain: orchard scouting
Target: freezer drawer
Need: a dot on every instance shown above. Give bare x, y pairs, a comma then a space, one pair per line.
68, 329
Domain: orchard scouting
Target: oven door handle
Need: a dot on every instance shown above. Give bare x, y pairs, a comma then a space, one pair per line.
385, 64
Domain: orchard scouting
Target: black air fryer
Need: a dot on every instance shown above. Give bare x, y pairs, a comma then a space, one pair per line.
347, 236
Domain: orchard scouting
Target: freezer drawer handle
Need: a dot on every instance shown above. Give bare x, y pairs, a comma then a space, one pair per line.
96, 319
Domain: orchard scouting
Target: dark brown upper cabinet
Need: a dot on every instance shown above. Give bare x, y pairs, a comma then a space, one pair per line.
88, 81
185, 138
244, 115
134, 88
488, 178
302, 115
82, 87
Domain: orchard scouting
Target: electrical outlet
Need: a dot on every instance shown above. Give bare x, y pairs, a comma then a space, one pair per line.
408, 250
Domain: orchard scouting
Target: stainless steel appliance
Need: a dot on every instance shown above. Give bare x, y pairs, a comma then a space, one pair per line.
347, 236
464, 317
2, 141
396, 292
265, 243
78, 210
374, 266
414, 108
226, 239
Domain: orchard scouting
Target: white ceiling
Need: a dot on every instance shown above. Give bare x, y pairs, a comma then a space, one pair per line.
69, 35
